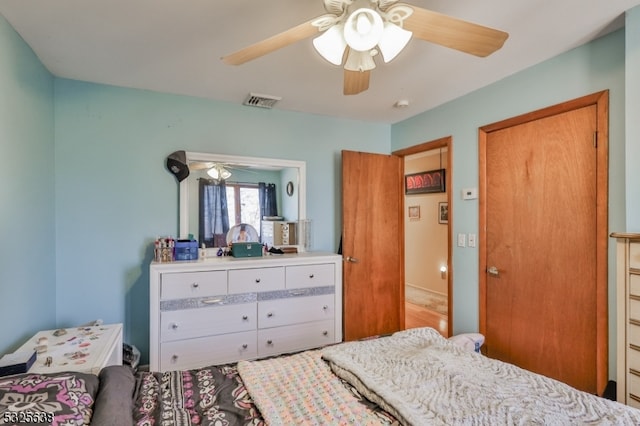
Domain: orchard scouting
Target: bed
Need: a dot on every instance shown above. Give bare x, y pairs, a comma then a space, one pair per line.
413, 377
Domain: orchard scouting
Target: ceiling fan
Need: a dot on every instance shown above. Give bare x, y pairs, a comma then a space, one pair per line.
356, 31
218, 170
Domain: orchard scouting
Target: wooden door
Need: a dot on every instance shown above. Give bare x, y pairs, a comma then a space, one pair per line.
372, 244
544, 268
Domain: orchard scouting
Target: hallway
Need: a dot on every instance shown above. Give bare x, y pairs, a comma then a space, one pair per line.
419, 316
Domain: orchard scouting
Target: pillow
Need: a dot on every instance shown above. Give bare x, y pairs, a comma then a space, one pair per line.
69, 396
114, 403
469, 341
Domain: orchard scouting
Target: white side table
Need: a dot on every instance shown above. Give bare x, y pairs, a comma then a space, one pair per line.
81, 349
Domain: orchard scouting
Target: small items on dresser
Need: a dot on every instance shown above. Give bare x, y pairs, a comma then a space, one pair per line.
244, 241
186, 250
163, 249
166, 249
17, 362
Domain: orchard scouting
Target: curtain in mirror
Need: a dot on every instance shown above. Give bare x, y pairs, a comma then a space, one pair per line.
268, 200
214, 215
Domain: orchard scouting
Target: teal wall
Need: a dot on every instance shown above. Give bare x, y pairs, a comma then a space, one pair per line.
114, 195
27, 220
591, 68
84, 253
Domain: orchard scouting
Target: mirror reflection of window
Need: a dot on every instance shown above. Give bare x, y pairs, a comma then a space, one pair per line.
226, 204
243, 204
250, 170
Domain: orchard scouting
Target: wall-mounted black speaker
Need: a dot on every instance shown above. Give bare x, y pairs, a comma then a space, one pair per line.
177, 165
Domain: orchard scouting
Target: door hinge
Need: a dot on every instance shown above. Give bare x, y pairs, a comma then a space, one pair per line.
595, 140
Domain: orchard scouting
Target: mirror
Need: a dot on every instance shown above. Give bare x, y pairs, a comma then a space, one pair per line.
284, 173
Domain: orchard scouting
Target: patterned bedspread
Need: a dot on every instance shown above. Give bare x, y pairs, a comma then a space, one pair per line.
206, 396
421, 378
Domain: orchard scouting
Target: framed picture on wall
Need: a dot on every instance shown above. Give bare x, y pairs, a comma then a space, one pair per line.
425, 182
443, 212
414, 212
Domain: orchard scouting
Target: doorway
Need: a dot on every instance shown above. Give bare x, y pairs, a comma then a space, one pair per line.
543, 241
427, 235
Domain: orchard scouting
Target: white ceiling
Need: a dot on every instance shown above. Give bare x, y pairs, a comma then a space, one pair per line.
175, 47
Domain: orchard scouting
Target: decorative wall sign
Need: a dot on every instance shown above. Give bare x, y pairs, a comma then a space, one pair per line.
425, 182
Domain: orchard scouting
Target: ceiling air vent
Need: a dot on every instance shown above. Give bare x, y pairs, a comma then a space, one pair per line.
261, 101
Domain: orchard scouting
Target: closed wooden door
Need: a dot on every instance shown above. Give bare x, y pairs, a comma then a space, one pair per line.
372, 244
544, 267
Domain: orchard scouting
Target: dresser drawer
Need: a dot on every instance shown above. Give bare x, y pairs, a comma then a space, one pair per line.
633, 333
192, 284
634, 310
214, 350
311, 275
297, 337
186, 324
634, 255
633, 387
256, 279
634, 401
634, 285
275, 313
633, 360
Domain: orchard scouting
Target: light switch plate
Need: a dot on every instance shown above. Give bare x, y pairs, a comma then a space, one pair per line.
462, 240
469, 193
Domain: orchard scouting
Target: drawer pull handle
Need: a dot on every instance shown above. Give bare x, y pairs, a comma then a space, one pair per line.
174, 358
269, 342
195, 285
325, 307
174, 326
311, 276
245, 346
211, 301
297, 293
325, 333
257, 280
270, 314
244, 317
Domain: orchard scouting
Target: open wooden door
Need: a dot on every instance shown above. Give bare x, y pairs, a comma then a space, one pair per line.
372, 244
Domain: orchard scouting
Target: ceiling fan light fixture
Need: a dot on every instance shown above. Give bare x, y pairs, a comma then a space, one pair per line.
359, 61
331, 44
363, 29
218, 172
393, 41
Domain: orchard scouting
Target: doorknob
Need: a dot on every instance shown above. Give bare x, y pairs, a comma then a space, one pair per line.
492, 270
351, 259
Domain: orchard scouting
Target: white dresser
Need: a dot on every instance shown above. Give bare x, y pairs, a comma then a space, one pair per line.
628, 322
225, 309
87, 349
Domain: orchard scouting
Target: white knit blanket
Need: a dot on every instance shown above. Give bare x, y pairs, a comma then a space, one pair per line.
301, 390
421, 378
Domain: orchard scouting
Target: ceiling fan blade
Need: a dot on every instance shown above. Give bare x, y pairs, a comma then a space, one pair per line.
272, 43
355, 82
193, 166
454, 33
